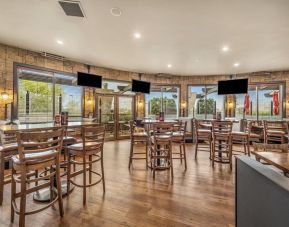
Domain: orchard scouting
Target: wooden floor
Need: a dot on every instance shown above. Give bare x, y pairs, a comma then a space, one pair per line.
200, 196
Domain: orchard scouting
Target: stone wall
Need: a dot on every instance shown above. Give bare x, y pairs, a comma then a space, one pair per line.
9, 55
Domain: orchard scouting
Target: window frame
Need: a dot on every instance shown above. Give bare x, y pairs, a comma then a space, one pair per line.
256, 84
14, 110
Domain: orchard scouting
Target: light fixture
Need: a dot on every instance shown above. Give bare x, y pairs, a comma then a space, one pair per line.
137, 35
115, 11
169, 66
236, 64
60, 42
225, 48
4, 95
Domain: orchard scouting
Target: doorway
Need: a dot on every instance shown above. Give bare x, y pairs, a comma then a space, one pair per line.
115, 111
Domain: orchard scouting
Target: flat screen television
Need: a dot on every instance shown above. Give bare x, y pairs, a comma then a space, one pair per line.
89, 80
229, 87
141, 86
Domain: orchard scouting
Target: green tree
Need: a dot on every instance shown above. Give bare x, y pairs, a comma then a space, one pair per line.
201, 106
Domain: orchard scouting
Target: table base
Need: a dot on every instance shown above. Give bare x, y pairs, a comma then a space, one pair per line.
43, 195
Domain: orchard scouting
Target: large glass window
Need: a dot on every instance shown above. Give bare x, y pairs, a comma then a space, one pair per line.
42, 94
204, 101
264, 101
162, 99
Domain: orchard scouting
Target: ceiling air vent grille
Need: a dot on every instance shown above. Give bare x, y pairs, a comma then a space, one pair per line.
52, 56
72, 8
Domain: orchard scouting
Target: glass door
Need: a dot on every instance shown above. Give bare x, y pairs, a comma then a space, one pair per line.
115, 111
125, 109
106, 114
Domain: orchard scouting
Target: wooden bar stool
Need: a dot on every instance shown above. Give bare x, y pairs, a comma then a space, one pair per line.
37, 150
274, 131
90, 151
138, 137
179, 138
203, 132
8, 148
161, 148
222, 142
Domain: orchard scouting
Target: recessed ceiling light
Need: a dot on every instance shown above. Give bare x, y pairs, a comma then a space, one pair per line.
169, 66
137, 35
225, 48
60, 42
115, 11
237, 64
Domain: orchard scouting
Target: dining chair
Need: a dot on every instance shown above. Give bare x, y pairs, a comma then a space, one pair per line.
38, 150
203, 132
87, 153
222, 142
274, 131
138, 136
179, 139
8, 148
161, 148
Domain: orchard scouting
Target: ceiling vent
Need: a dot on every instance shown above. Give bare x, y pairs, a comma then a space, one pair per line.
72, 8
52, 56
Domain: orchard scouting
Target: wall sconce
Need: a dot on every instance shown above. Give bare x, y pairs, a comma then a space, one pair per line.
183, 104
4, 95
89, 101
140, 103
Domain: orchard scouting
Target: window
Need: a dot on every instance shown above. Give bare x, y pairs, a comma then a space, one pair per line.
42, 94
204, 101
162, 99
265, 101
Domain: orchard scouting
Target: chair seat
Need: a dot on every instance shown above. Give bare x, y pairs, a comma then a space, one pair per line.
8, 147
69, 140
236, 133
140, 134
177, 134
38, 160
275, 132
79, 146
254, 135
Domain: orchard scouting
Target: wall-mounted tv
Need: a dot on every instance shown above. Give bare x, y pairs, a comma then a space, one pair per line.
89, 80
141, 86
229, 87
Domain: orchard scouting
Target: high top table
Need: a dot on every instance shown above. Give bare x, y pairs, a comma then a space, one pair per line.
44, 194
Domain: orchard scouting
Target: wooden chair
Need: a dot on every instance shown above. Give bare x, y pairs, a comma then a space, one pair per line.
90, 151
179, 138
138, 137
274, 131
255, 130
241, 138
161, 148
203, 133
8, 148
37, 150
222, 142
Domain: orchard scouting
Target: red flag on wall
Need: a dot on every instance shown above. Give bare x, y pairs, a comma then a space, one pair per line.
275, 102
247, 104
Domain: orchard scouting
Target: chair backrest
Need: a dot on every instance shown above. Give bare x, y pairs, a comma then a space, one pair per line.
275, 125
163, 128
258, 147
93, 133
222, 129
39, 141
8, 138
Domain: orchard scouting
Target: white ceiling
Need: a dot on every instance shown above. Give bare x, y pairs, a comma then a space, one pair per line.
188, 34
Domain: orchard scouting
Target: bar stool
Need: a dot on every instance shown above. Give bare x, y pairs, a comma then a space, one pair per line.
274, 131
203, 132
222, 142
179, 138
8, 148
37, 150
90, 151
161, 148
137, 137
